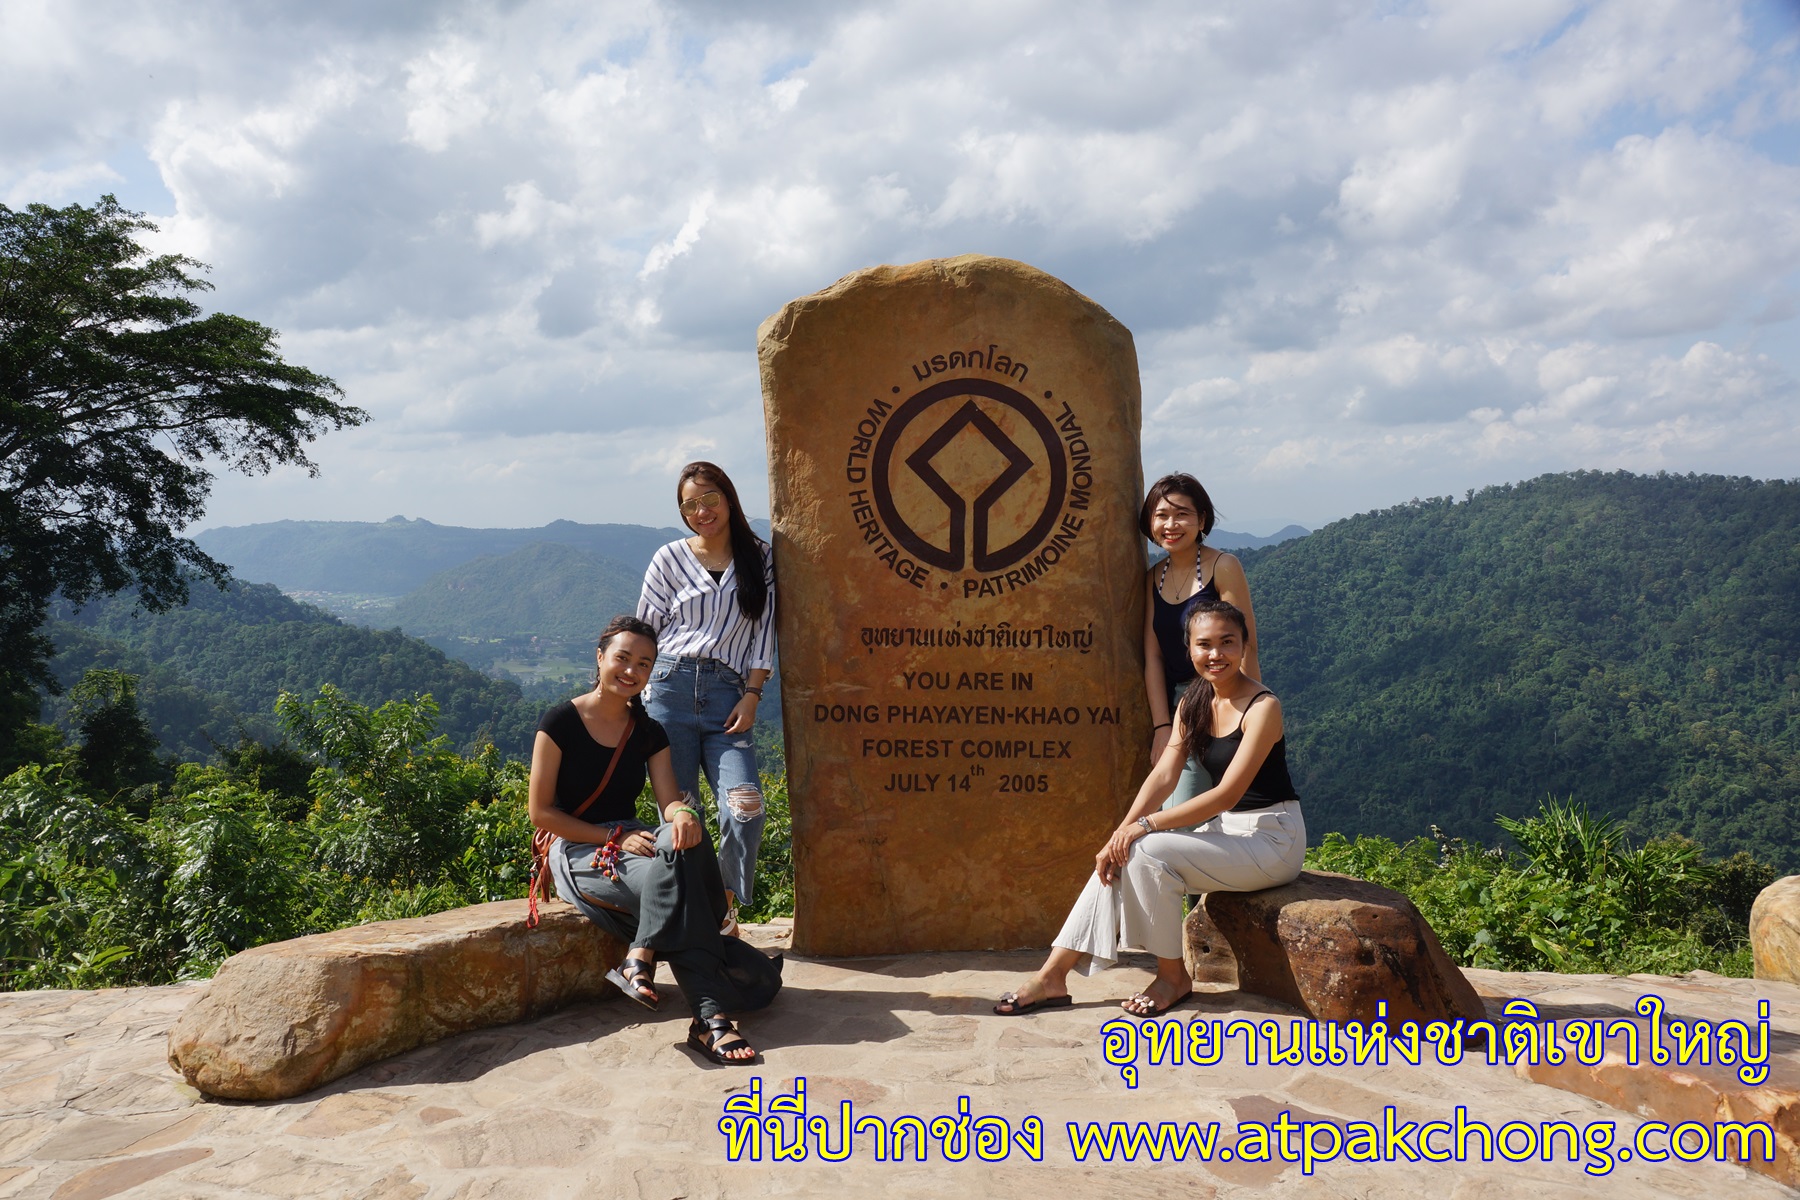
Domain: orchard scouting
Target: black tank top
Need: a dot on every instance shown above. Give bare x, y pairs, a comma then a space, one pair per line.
1168, 621
1271, 785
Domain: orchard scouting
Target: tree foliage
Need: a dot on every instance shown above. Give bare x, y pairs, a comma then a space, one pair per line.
1574, 896
221, 858
118, 752
390, 793
115, 394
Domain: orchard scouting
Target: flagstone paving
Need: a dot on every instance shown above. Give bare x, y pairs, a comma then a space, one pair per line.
604, 1099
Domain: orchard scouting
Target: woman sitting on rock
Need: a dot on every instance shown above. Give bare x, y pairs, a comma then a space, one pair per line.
1242, 833
657, 890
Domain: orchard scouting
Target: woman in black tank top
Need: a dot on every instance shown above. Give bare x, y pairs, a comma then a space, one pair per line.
1240, 830
1178, 515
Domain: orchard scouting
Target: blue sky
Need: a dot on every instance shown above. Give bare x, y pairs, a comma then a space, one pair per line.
1368, 253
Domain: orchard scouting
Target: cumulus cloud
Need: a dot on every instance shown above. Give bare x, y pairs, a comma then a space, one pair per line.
1367, 254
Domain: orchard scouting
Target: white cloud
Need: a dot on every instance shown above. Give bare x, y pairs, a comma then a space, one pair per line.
664, 253
1366, 254
444, 95
62, 185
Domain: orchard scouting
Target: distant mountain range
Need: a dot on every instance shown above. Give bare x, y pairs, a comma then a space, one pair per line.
1225, 539
560, 582
543, 589
396, 556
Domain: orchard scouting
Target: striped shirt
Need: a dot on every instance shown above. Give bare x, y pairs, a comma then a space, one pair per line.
698, 618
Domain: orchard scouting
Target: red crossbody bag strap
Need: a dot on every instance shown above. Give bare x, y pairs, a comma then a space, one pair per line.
542, 838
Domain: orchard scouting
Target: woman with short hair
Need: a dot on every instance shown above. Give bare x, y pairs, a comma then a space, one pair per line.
1177, 515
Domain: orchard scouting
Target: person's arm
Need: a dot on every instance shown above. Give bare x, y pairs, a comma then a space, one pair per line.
1156, 682
1165, 773
540, 797
743, 713
1234, 589
1262, 729
675, 808
656, 599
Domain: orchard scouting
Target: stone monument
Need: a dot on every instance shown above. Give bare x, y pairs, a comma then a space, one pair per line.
955, 478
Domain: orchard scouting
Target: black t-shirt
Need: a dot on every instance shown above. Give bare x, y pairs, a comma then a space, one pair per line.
584, 762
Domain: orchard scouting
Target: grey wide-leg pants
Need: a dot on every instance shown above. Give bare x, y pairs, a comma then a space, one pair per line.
671, 902
1141, 910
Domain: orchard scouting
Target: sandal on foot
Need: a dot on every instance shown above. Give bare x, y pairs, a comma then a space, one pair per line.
1015, 1009
635, 978
719, 1029
729, 926
1141, 1005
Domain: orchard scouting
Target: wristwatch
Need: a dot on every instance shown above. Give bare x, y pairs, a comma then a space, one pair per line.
1145, 825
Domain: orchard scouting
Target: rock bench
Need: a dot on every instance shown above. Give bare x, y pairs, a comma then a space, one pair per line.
1331, 946
284, 1018
1775, 931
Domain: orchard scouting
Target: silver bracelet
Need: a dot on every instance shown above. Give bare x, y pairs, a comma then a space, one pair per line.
1145, 825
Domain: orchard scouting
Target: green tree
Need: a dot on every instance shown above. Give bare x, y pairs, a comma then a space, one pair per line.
118, 751
115, 392
390, 793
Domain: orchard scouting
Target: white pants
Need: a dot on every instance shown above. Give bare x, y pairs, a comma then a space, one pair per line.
1233, 852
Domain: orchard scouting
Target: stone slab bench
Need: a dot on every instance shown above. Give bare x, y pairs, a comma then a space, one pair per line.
284, 1018
1331, 946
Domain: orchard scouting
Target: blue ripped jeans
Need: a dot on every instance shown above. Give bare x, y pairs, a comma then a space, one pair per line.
692, 698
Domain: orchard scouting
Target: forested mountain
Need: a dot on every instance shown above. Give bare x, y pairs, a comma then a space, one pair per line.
393, 557
543, 590
217, 665
1632, 641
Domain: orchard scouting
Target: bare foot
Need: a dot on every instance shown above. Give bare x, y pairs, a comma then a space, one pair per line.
1034, 995
1158, 998
721, 1043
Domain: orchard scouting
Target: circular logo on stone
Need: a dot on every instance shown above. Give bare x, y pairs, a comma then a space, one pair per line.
969, 473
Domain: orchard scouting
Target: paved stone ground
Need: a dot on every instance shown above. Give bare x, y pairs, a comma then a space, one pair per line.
604, 1100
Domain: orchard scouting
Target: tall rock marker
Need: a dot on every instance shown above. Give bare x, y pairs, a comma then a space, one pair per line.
954, 459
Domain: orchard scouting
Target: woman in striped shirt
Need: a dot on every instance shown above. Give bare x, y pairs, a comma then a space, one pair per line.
711, 600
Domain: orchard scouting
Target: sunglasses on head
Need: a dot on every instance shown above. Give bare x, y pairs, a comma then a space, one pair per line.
706, 500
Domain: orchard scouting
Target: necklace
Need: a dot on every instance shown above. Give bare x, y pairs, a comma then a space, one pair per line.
709, 560
1163, 579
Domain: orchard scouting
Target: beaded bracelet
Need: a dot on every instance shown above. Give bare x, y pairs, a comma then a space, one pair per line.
682, 808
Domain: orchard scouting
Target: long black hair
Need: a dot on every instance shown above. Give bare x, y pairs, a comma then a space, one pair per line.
1195, 709
623, 623
746, 547
1179, 483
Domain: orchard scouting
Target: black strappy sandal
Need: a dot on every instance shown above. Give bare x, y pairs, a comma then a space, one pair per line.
719, 1027
637, 979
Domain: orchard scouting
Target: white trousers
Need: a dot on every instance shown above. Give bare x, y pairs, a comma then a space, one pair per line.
1141, 910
